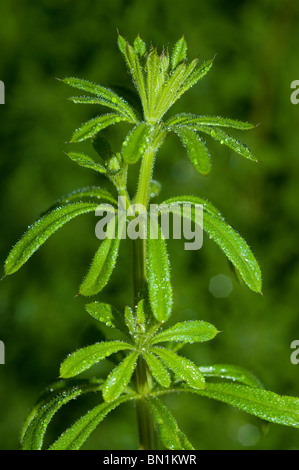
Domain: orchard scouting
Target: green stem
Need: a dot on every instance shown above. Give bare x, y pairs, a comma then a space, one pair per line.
145, 420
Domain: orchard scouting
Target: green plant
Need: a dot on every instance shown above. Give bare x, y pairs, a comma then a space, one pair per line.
150, 365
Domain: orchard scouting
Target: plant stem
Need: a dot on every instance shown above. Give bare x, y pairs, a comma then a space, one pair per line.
145, 421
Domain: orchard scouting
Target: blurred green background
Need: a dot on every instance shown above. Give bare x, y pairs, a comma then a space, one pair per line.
41, 322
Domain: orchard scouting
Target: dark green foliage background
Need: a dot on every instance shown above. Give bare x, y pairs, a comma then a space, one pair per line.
257, 46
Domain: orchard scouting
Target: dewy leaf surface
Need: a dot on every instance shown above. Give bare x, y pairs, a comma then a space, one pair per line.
41, 230
86, 161
102, 264
135, 143
262, 403
90, 193
187, 332
231, 372
197, 151
105, 96
230, 242
170, 434
84, 358
158, 275
95, 125
227, 140
184, 119
74, 437
107, 314
57, 395
119, 378
179, 53
183, 368
157, 369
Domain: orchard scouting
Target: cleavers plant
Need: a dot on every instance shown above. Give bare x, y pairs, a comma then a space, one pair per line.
150, 364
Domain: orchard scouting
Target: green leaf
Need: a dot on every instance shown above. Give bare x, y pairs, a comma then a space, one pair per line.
105, 96
170, 434
95, 125
90, 193
231, 372
158, 275
231, 243
185, 119
132, 60
87, 162
130, 319
74, 437
227, 140
119, 378
139, 46
157, 369
107, 314
170, 91
135, 143
179, 53
183, 368
256, 401
186, 199
57, 395
187, 332
196, 149
41, 230
102, 264
193, 75
155, 80
140, 312
84, 358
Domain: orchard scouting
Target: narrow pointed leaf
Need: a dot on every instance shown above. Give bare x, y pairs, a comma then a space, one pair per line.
51, 401
135, 143
84, 358
196, 75
130, 319
232, 244
90, 193
266, 405
119, 378
41, 230
133, 63
183, 368
140, 313
157, 369
139, 46
187, 199
179, 53
185, 119
158, 275
102, 264
231, 372
153, 82
197, 151
95, 125
105, 96
170, 92
170, 434
86, 161
187, 332
74, 437
227, 140
107, 314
